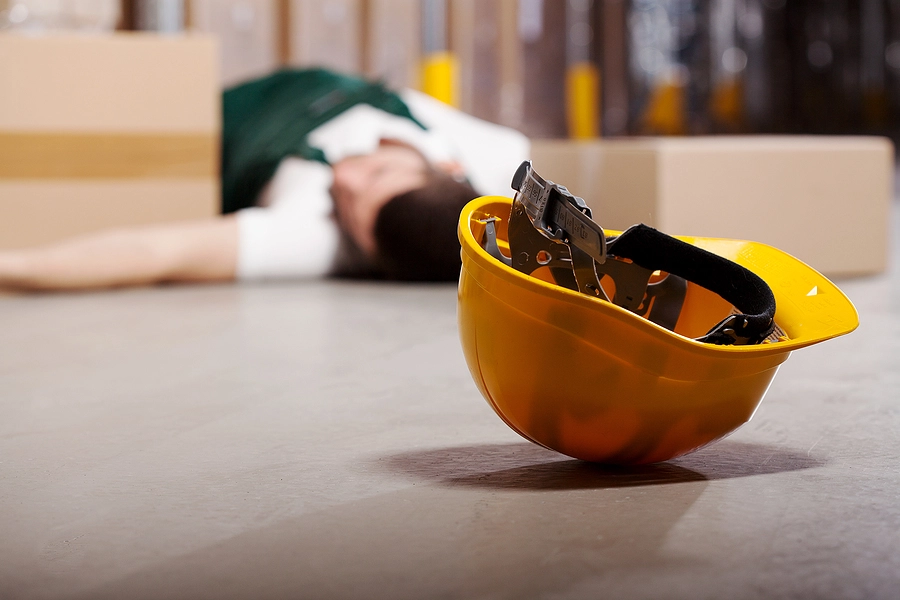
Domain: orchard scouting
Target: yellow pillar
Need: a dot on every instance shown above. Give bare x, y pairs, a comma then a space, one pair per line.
439, 77
583, 100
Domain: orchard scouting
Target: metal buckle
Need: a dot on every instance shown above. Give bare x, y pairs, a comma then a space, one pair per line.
549, 227
558, 214
732, 327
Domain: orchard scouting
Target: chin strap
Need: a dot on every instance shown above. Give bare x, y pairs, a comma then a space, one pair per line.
550, 227
654, 250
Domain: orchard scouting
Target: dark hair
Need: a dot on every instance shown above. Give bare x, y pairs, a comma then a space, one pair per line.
415, 232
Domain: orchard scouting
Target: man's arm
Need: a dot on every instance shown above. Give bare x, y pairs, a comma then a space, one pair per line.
193, 251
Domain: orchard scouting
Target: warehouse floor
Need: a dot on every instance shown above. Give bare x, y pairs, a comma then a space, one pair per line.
325, 440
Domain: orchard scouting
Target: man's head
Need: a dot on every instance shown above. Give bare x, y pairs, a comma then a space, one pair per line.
402, 212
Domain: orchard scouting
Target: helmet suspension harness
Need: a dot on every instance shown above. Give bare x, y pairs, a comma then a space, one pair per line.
549, 227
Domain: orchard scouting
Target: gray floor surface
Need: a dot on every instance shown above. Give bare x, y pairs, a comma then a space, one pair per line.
325, 440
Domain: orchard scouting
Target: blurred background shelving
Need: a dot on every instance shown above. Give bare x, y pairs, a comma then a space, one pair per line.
560, 68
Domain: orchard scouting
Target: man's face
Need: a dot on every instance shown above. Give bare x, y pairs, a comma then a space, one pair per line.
363, 184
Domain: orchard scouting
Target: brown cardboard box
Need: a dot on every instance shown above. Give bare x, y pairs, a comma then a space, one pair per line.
823, 199
103, 131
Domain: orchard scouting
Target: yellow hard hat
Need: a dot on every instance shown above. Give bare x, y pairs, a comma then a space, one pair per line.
665, 367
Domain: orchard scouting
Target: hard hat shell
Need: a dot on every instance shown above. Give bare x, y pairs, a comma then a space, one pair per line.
589, 379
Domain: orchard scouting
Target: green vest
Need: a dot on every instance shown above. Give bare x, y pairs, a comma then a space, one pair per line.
269, 119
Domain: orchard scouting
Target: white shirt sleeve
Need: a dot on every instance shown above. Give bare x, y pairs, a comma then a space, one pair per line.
360, 129
489, 153
295, 235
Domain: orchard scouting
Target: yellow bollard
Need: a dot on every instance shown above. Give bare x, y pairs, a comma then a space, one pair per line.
666, 112
439, 77
583, 100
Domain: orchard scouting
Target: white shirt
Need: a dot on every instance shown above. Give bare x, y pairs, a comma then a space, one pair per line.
292, 232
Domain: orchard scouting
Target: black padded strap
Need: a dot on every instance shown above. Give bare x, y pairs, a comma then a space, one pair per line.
655, 250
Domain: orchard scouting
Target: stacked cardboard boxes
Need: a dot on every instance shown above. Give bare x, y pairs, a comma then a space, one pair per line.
100, 131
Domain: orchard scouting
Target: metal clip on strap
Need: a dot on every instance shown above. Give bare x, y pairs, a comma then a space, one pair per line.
545, 216
558, 214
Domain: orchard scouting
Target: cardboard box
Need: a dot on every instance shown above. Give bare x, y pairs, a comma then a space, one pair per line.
823, 199
105, 131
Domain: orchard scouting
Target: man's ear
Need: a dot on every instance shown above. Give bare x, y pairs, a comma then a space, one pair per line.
451, 168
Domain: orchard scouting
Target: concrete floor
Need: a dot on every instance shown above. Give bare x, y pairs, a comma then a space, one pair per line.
325, 440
